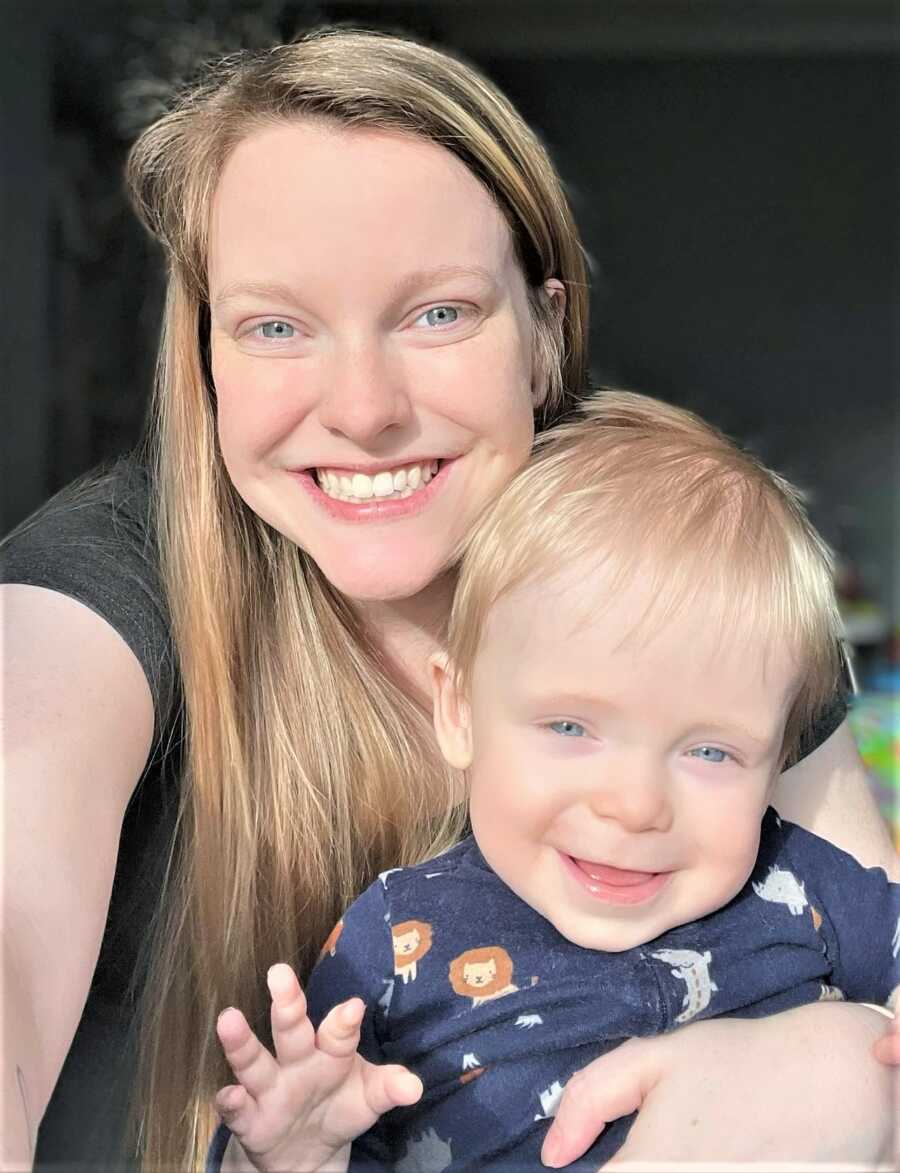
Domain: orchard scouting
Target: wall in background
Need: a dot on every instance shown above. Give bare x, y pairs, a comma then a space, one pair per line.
732, 165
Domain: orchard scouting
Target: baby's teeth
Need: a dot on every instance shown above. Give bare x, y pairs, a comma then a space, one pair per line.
400, 480
361, 486
414, 477
383, 484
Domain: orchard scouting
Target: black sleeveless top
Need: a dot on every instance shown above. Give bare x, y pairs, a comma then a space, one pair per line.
95, 541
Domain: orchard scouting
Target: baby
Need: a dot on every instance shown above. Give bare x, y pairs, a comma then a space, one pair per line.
643, 625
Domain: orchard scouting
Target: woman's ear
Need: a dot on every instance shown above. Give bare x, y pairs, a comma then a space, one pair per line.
555, 292
451, 713
548, 312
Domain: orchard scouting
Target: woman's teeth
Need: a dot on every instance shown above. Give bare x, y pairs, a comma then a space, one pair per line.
391, 484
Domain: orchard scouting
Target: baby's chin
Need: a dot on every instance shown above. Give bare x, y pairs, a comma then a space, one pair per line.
615, 939
617, 929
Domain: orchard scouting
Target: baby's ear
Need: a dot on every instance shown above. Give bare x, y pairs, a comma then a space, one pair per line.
452, 722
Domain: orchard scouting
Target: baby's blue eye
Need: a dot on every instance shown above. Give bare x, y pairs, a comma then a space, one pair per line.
277, 330
441, 315
709, 753
567, 728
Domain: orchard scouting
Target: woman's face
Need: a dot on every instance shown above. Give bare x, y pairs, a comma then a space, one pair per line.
371, 348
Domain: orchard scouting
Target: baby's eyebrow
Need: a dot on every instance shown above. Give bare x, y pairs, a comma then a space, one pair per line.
586, 702
728, 728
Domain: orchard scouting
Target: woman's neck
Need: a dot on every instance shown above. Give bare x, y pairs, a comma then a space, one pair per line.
408, 631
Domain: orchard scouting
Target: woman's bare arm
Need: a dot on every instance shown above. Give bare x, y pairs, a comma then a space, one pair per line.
818, 1060
828, 793
800, 1089
78, 725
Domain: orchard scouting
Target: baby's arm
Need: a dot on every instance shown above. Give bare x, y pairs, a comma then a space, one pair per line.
860, 916
301, 1108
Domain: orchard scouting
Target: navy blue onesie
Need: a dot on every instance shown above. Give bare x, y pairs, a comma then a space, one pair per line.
478, 994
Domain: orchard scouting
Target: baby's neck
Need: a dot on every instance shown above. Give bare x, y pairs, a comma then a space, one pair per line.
408, 631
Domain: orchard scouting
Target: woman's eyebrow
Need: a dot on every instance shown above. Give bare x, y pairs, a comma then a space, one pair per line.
408, 283
265, 289
422, 278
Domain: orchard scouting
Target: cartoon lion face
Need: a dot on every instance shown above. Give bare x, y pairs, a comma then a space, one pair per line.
481, 972
412, 940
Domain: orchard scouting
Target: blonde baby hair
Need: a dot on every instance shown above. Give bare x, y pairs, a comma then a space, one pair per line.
633, 482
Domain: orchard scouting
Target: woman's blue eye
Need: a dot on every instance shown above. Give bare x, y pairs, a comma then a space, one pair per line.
567, 728
440, 315
709, 753
277, 330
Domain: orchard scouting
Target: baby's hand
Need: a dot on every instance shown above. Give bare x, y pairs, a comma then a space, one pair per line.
301, 1108
887, 1049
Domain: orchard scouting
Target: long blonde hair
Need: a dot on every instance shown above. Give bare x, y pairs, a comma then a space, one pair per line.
308, 769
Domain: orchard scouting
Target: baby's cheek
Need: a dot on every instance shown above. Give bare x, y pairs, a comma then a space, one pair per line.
741, 859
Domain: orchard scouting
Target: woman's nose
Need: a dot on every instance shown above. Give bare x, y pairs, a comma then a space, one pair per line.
364, 393
633, 792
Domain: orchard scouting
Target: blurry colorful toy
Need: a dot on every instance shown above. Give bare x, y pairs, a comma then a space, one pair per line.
875, 721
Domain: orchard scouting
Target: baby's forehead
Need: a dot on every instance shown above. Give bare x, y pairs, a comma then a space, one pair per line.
567, 598
600, 602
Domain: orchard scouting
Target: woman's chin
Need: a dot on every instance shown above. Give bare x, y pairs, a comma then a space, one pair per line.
389, 581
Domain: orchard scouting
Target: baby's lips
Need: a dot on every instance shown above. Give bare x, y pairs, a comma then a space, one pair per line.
615, 877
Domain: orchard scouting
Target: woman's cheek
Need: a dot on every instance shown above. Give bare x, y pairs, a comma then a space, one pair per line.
486, 384
259, 406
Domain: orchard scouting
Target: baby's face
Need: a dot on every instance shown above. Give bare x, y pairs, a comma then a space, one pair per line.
618, 781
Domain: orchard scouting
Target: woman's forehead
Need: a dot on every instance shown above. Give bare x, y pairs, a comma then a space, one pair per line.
308, 198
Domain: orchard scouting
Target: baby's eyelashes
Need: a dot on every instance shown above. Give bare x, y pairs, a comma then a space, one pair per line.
567, 728
710, 753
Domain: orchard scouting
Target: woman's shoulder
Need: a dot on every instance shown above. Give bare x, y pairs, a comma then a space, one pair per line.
92, 509
95, 541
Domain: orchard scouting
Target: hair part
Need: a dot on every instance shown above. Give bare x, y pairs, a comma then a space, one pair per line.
638, 485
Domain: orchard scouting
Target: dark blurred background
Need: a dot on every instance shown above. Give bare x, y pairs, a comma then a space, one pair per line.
733, 167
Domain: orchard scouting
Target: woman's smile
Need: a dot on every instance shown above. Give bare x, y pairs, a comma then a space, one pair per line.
383, 362
390, 494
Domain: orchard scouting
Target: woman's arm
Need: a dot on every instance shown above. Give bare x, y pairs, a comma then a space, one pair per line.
828, 793
78, 725
800, 1087
812, 1076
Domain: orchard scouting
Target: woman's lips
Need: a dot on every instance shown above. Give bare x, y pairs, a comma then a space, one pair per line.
376, 509
614, 885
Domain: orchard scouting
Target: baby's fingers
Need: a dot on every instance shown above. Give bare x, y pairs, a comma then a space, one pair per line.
887, 1049
237, 1109
253, 1065
612, 1086
292, 1032
389, 1087
338, 1033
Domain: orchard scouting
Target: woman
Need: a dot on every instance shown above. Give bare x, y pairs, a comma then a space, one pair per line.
375, 288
